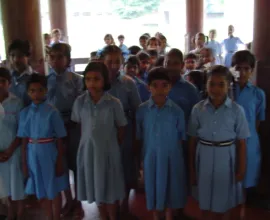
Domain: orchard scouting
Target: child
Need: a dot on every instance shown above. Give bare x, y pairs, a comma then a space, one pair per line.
161, 128
199, 43
108, 40
230, 45
63, 89
182, 93
197, 78
190, 61
11, 175
144, 59
43, 130
206, 59
218, 129
163, 44
19, 53
134, 50
153, 44
160, 61
93, 56
102, 119
143, 41
215, 46
131, 68
56, 36
153, 53
122, 46
124, 88
47, 39
252, 99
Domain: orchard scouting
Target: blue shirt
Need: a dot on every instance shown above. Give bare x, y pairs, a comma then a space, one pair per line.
142, 89
231, 44
125, 50
216, 48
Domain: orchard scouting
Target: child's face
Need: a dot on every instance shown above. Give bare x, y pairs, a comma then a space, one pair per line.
121, 41
173, 63
206, 56
230, 30
160, 89
18, 60
190, 64
113, 62
245, 72
58, 61
4, 85
143, 43
212, 35
163, 43
199, 41
37, 92
144, 65
56, 37
108, 41
131, 70
153, 60
217, 87
94, 82
153, 44
47, 41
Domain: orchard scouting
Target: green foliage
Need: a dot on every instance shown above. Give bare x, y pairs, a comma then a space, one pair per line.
129, 9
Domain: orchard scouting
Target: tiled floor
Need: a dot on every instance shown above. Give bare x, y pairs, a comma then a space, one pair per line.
137, 204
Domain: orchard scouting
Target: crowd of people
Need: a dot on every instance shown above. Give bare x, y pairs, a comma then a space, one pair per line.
186, 120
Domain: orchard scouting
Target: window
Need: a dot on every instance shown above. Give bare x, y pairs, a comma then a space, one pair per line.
45, 17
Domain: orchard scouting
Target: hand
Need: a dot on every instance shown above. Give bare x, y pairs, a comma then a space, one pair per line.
59, 167
8, 153
25, 170
3, 157
192, 177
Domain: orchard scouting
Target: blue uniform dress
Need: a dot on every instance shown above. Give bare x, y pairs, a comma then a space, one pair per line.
18, 85
231, 46
63, 89
162, 131
252, 99
11, 176
37, 122
99, 167
216, 48
142, 89
217, 188
124, 88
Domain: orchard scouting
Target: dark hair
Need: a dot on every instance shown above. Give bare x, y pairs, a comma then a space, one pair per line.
214, 31
37, 78
20, 45
244, 56
111, 49
159, 62
133, 60
191, 56
93, 54
219, 70
144, 37
63, 48
147, 35
121, 36
46, 35
152, 53
198, 78
55, 31
142, 55
153, 39
101, 68
202, 35
134, 50
4, 73
158, 73
177, 53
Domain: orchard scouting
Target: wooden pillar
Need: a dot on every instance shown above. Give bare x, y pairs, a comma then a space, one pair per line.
21, 20
261, 49
58, 16
195, 17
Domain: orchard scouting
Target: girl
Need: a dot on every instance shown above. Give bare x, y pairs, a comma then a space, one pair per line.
218, 129
206, 60
63, 88
252, 99
102, 119
163, 44
124, 88
197, 78
19, 53
215, 46
153, 43
11, 175
43, 130
199, 43
108, 40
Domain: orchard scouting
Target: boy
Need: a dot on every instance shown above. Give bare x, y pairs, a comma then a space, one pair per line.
143, 41
144, 59
131, 68
153, 53
122, 46
56, 36
160, 130
190, 61
206, 60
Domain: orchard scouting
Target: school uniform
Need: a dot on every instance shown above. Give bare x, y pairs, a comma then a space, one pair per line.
252, 99
63, 89
215, 166
124, 88
11, 176
18, 85
230, 46
42, 125
124, 50
162, 130
99, 167
142, 89
216, 48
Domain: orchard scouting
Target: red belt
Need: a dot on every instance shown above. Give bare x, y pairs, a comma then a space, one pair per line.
41, 140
